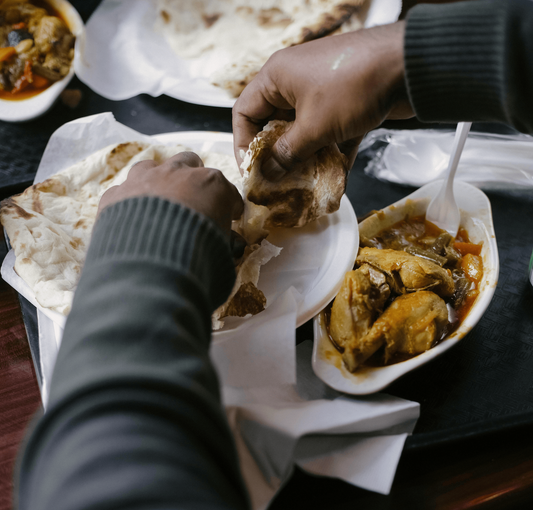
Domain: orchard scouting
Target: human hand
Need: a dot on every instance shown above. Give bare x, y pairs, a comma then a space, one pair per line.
182, 179
336, 89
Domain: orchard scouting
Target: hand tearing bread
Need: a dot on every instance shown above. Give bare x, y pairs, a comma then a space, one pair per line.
50, 224
309, 191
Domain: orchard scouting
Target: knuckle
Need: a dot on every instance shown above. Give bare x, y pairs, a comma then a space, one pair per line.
141, 166
286, 152
216, 176
186, 158
219, 180
351, 143
275, 58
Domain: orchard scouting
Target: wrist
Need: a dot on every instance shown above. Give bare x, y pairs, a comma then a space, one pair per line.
385, 77
392, 63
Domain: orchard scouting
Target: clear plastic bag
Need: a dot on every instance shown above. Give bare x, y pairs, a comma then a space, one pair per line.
416, 157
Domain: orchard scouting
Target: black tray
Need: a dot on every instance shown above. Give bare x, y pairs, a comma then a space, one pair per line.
483, 385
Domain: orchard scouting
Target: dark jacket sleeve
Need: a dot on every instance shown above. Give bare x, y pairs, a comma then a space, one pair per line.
471, 61
134, 418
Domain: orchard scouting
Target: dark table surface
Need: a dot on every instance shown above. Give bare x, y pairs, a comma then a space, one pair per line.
471, 446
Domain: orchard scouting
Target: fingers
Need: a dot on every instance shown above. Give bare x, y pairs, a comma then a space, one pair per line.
141, 166
236, 204
244, 131
249, 115
259, 101
181, 159
349, 148
292, 148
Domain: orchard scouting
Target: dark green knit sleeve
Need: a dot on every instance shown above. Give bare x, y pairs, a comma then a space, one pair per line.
134, 418
471, 61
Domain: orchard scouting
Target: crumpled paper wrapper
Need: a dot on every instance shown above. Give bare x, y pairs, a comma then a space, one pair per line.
416, 157
123, 56
281, 414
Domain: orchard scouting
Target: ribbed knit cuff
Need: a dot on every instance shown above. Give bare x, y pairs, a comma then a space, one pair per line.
455, 61
150, 229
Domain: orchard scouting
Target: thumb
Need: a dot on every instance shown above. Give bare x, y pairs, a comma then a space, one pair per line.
292, 148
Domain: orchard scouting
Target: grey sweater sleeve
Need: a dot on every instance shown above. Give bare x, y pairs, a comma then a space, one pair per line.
134, 418
471, 61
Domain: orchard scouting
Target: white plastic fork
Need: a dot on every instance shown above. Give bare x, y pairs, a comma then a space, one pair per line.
443, 210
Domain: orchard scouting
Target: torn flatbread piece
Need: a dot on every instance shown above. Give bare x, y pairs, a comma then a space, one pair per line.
246, 298
309, 191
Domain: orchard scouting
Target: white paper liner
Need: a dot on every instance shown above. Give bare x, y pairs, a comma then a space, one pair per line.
124, 56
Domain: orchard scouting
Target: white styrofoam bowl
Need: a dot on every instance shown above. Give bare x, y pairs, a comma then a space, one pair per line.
476, 218
27, 109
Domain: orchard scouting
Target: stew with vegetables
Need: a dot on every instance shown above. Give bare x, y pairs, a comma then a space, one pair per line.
36, 48
412, 285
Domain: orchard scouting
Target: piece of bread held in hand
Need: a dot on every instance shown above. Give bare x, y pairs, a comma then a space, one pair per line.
308, 191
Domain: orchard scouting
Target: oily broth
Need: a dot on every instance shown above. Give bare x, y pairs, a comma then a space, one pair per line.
27, 93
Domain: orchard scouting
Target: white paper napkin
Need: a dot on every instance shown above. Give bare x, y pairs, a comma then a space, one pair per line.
279, 425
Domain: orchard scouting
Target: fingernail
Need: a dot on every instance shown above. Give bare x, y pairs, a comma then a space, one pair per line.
272, 170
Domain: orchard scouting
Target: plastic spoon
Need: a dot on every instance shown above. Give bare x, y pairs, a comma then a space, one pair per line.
443, 210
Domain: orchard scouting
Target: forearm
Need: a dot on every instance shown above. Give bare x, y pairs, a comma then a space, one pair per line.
471, 61
134, 414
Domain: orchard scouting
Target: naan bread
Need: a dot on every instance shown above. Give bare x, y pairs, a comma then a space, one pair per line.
49, 226
309, 191
238, 36
246, 298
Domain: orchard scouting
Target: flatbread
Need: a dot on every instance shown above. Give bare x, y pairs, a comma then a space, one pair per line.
50, 224
246, 298
309, 191
238, 36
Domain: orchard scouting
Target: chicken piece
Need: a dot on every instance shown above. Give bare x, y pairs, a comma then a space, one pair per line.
56, 64
11, 72
361, 297
408, 273
410, 325
380, 291
32, 15
16, 11
49, 32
